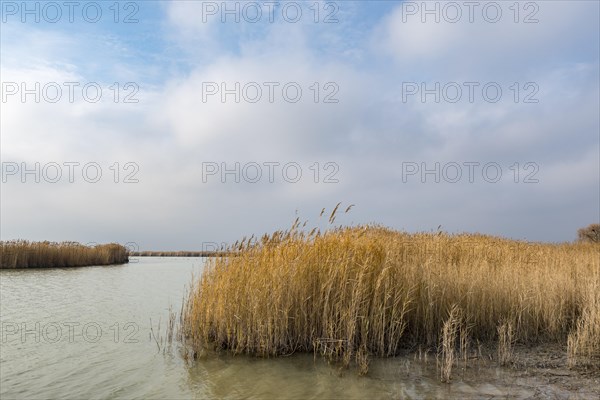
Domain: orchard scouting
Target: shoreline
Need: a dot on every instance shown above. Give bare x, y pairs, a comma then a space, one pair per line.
150, 253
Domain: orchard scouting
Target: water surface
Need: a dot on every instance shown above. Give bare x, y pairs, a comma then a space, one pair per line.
78, 333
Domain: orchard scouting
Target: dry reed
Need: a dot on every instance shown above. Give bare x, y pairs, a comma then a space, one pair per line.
24, 254
180, 253
505, 342
354, 292
584, 341
450, 331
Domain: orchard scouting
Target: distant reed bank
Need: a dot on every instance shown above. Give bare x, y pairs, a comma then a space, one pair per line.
25, 254
182, 253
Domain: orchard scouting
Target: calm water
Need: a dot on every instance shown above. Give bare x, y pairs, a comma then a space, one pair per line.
85, 333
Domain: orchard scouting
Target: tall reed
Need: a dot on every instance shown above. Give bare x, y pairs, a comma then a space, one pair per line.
351, 292
24, 254
584, 341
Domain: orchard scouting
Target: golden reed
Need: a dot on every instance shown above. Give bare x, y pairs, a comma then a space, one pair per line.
24, 254
355, 292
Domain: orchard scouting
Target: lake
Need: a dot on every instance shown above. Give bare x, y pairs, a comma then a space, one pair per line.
76, 333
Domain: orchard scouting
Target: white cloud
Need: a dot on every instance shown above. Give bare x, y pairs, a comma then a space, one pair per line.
480, 48
368, 134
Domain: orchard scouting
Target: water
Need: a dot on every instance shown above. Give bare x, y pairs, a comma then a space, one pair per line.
92, 340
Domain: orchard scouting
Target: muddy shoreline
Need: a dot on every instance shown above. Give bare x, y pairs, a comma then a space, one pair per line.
535, 372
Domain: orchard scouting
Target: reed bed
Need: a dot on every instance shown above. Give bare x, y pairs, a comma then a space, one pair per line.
181, 253
351, 293
25, 254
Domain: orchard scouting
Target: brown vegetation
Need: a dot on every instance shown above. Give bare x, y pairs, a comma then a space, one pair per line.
354, 292
148, 253
24, 254
590, 233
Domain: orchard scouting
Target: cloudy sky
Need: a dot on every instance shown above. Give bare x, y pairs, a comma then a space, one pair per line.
177, 124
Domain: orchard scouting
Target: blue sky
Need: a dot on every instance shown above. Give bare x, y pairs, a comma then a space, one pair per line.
373, 60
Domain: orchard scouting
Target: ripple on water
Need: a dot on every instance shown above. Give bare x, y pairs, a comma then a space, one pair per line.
124, 363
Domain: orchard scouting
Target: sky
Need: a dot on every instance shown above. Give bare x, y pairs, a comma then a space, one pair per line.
172, 125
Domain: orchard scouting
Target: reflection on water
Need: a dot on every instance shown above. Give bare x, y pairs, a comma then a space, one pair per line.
85, 333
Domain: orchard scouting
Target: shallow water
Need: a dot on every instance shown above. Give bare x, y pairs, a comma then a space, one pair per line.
92, 340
